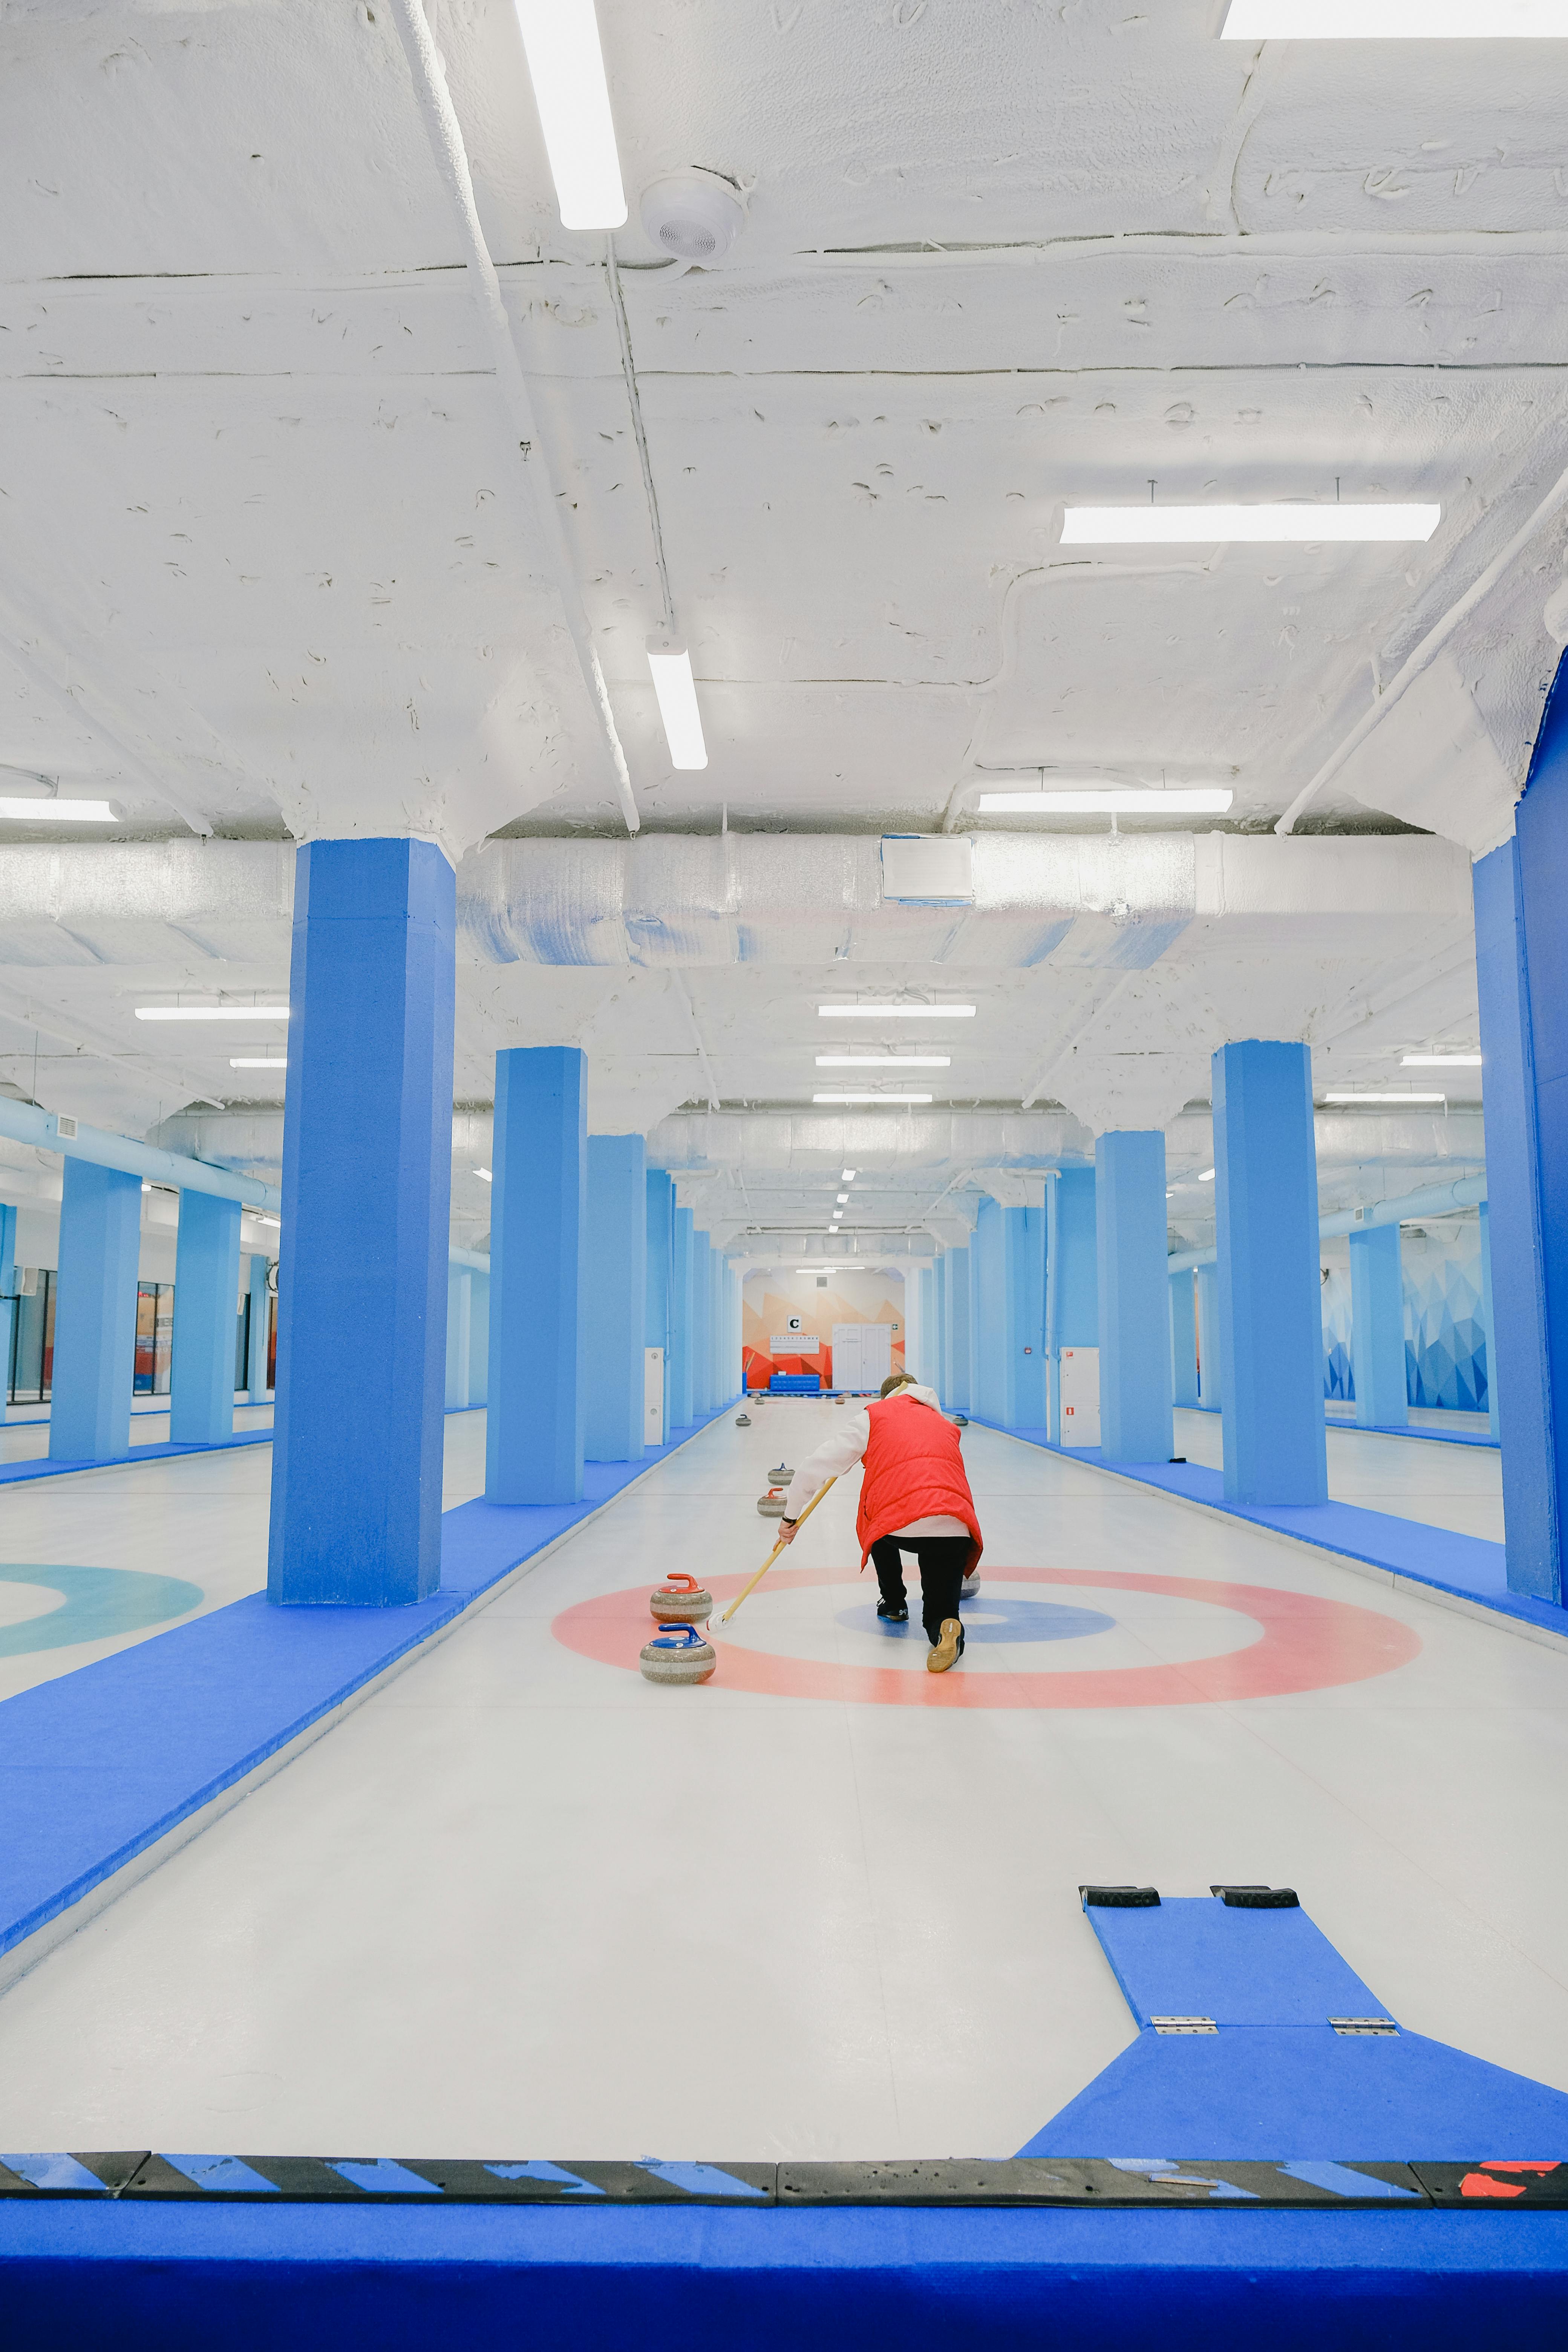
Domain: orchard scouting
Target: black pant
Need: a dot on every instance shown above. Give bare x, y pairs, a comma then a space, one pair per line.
942, 1559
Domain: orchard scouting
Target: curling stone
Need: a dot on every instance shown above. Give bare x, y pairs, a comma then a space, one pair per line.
742, 1421
679, 1655
681, 1600
781, 1476
771, 1504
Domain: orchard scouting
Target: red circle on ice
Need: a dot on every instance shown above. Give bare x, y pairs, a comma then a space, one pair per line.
1303, 1643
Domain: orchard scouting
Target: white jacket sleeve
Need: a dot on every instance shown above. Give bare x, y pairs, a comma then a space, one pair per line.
835, 1456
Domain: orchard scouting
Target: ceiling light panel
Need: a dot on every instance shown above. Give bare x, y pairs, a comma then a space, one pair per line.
1347, 1097
39, 810
896, 1012
211, 1013
871, 1098
1397, 20
1134, 526
884, 1061
567, 67
259, 1061
1110, 799
1440, 1061
677, 692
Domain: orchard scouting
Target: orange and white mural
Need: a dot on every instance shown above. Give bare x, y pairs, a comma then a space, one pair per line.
788, 1322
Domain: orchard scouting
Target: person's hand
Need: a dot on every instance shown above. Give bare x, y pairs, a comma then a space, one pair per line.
786, 1530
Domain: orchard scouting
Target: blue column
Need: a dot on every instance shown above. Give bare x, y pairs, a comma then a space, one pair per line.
1493, 1423
659, 1253
95, 1313
1073, 1272
367, 1167
1211, 1366
206, 1285
534, 1425
7, 1296
957, 1398
993, 1333
1134, 1296
701, 1325
1377, 1329
1270, 1286
679, 1383
925, 1368
614, 1273
1184, 1341
478, 1335
937, 1375
1026, 1230
459, 1335
259, 1329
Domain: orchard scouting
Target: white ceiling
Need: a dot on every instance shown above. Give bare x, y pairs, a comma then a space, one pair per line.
268, 565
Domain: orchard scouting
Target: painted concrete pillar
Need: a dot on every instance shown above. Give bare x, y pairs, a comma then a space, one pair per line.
614, 1275
1270, 1287
1072, 1277
478, 1335
533, 1422
1522, 970
459, 1335
925, 1367
1026, 1229
701, 1325
958, 1393
937, 1373
206, 1283
658, 1248
680, 1384
259, 1330
1493, 1422
95, 1313
1211, 1362
7, 1297
1134, 1296
367, 1164
1377, 1329
994, 1323
1184, 1341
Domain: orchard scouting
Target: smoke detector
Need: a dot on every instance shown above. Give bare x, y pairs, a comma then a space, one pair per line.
694, 215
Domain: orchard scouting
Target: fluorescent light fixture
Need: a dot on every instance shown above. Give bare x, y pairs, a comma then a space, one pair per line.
259, 1061
895, 1011
1130, 799
211, 1013
871, 1098
39, 810
843, 1199
567, 67
830, 1268
1440, 1061
847, 1175
1383, 1098
484, 1175
673, 684
269, 1221
1395, 20
1206, 526
884, 1061
1206, 1177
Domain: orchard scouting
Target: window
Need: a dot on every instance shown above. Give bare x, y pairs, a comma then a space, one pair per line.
32, 1340
154, 1337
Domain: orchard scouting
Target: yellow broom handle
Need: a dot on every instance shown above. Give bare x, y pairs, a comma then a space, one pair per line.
780, 1546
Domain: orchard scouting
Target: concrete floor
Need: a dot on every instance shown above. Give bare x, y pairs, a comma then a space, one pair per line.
520, 1903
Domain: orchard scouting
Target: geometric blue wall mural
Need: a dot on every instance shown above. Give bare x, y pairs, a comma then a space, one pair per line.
1445, 1341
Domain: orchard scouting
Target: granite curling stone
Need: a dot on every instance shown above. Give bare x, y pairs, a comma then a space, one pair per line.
681, 1600
771, 1504
742, 1421
781, 1476
679, 1655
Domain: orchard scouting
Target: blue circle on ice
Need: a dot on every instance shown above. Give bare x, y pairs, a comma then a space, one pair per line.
992, 1618
93, 1604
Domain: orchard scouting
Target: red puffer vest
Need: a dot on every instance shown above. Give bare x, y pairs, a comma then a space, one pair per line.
913, 1470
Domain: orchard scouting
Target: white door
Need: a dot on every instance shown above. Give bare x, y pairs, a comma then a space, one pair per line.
876, 1354
653, 1396
846, 1355
1080, 1374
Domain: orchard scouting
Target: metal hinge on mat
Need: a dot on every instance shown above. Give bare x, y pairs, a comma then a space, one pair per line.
1184, 2025
1363, 2025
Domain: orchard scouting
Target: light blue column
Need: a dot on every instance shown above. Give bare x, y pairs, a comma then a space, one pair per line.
1134, 1296
459, 1335
7, 1297
1184, 1341
1211, 1365
1493, 1423
615, 1272
1026, 1277
533, 1424
1073, 1271
658, 1253
367, 1166
259, 1330
478, 1335
206, 1285
680, 1384
95, 1313
958, 1394
1377, 1329
937, 1375
1271, 1287
993, 1336
925, 1370
701, 1325
1522, 971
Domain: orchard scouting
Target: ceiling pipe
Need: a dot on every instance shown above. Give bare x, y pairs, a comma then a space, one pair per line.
1431, 1200
452, 161
48, 1131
